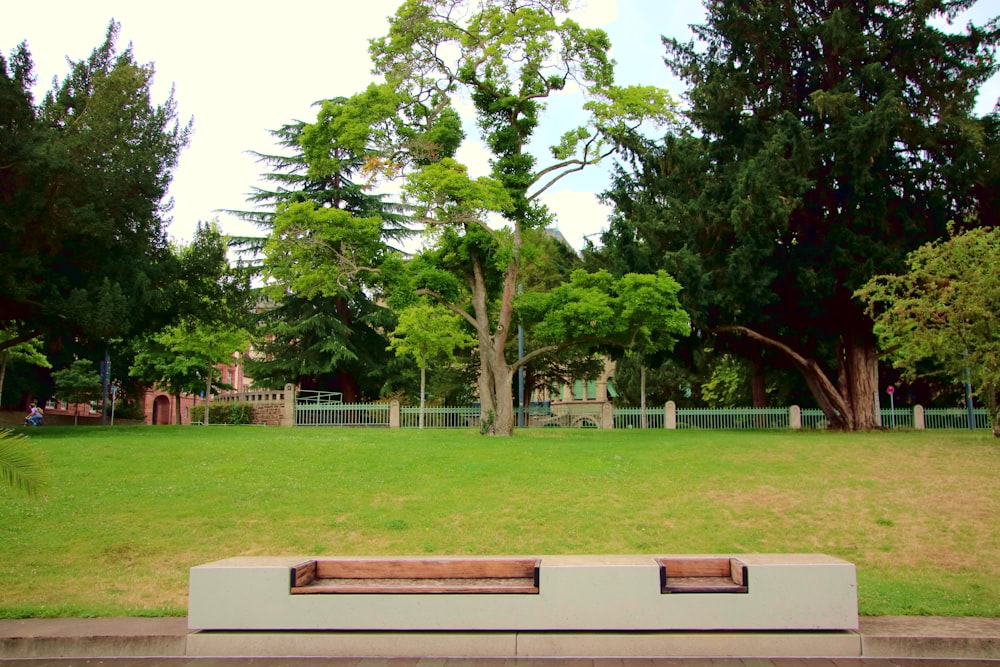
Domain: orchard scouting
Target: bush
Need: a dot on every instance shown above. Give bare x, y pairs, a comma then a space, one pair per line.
239, 412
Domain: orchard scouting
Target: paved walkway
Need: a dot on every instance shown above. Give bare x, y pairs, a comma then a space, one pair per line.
498, 662
152, 642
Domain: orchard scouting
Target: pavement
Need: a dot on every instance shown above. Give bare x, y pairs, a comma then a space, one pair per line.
106, 642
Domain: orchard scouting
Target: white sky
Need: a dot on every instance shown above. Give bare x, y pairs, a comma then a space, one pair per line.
241, 70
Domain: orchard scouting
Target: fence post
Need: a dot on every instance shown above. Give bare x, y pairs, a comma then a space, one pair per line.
394, 414
607, 416
670, 415
288, 407
795, 417
918, 416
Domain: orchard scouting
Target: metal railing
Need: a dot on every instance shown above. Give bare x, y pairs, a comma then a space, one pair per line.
440, 417
314, 397
733, 418
955, 418
343, 414
632, 417
897, 418
315, 408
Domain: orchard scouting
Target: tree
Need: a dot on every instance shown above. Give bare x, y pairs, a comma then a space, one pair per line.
211, 305
811, 161
159, 361
637, 314
328, 338
182, 358
30, 352
508, 59
940, 317
428, 332
83, 180
78, 383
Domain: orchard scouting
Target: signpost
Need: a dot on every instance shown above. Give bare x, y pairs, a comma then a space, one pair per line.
892, 406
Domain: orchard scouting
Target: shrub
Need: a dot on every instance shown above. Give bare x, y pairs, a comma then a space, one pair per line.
240, 412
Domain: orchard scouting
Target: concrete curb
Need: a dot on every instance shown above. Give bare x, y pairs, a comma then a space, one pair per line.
881, 637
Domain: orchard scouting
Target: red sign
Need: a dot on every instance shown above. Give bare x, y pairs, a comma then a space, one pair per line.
890, 390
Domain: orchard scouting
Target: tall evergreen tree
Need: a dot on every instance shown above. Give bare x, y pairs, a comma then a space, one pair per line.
824, 141
83, 181
331, 341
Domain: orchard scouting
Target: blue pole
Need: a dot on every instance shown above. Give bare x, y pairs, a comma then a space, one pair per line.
520, 371
520, 377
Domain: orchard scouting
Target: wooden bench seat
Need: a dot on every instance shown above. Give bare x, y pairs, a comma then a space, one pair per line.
702, 575
482, 576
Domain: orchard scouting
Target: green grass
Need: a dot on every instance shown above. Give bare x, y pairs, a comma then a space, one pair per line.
130, 510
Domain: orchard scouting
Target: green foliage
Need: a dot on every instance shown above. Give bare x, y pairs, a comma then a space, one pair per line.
507, 59
78, 383
83, 178
208, 288
182, 358
728, 384
21, 466
940, 317
27, 352
316, 251
235, 413
809, 162
428, 331
320, 325
639, 312
667, 381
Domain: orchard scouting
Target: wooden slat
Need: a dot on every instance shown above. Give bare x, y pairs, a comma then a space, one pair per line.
696, 567
303, 573
427, 569
702, 575
702, 585
738, 572
520, 585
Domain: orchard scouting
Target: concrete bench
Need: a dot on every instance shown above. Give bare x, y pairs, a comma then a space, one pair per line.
547, 593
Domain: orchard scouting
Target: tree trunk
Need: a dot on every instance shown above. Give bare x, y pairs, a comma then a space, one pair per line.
503, 388
758, 384
857, 378
990, 394
3, 372
850, 405
177, 409
642, 393
208, 396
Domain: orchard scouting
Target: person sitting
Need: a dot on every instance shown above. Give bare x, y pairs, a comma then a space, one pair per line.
34, 417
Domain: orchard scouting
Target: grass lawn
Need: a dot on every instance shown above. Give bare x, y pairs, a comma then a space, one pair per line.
130, 509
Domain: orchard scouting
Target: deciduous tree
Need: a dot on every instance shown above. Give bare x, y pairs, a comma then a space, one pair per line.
429, 332
940, 317
78, 383
507, 58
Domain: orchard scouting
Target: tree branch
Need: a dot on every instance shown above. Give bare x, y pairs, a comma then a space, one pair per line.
826, 393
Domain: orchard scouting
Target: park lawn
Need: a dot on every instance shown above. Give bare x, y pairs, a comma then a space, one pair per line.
130, 509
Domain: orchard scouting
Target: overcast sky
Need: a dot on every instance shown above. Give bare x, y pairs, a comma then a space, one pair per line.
240, 70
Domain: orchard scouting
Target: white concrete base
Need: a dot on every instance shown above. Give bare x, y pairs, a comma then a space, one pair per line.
523, 645
784, 592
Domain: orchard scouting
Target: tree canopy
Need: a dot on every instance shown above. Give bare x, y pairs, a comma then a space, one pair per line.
507, 59
318, 324
809, 161
940, 317
83, 179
